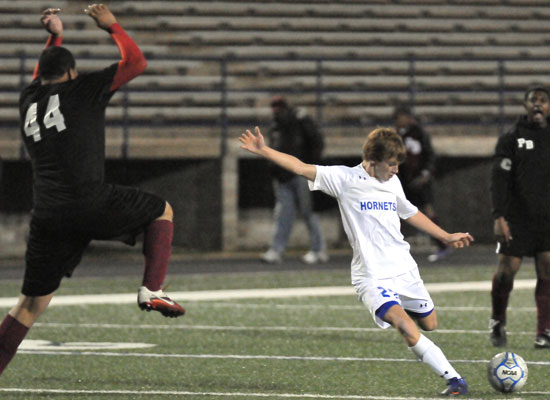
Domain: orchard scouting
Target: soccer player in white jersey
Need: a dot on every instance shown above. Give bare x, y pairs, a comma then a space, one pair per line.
384, 274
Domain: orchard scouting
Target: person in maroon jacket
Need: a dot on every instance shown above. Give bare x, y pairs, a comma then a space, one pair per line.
520, 192
63, 128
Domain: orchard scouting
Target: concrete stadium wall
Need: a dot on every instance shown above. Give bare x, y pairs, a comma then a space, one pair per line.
461, 196
193, 190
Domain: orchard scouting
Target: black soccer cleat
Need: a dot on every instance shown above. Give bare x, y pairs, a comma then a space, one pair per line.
498, 333
542, 341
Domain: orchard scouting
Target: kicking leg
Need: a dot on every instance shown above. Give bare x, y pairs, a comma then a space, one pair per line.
426, 350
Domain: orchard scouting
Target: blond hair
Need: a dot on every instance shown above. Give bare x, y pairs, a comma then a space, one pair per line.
383, 144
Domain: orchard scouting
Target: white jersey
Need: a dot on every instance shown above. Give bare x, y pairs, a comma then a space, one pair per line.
371, 212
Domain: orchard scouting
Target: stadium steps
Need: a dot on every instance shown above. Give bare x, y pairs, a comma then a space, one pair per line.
172, 90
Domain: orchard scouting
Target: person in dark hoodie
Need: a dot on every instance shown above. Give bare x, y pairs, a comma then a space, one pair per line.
520, 191
294, 132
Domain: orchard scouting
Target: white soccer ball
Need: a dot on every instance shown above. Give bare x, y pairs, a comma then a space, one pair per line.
507, 372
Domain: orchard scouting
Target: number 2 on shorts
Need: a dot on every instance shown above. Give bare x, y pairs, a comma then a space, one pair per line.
387, 292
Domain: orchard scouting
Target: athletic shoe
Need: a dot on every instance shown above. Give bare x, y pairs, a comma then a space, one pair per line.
158, 301
315, 257
542, 341
498, 333
455, 387
440, 254
271, 257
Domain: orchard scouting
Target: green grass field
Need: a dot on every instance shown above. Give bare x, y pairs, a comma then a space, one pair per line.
257, 348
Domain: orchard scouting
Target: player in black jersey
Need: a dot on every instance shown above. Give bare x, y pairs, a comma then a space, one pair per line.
520, 188
63, 127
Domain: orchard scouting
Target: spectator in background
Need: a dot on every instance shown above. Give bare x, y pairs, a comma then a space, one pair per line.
416, 173
520, 191
295, 133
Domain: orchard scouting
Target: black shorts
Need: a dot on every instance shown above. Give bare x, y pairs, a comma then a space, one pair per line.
57, 242
526, 242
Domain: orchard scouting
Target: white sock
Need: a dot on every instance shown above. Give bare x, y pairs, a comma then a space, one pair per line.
427, 351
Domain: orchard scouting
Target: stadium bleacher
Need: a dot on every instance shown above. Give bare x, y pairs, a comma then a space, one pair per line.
442, 56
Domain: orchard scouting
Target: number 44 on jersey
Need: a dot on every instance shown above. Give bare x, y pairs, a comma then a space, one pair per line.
52, 117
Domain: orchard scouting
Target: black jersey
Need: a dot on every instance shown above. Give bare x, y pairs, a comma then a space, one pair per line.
520, 183
63, 128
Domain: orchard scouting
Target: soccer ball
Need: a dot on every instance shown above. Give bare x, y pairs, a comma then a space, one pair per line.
507, 372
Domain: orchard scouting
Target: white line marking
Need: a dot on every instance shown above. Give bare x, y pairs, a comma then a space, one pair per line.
218, 394
342, 307
278, 293
481, 286
255, 328
37, 345
249, 357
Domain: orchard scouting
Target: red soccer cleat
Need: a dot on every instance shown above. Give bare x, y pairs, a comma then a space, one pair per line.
159, 301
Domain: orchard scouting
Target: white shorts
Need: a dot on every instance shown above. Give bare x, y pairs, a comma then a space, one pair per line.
407, 290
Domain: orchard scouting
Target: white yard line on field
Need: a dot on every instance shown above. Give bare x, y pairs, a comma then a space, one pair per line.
220, 394
358, 306
246, 357
251, 328
204, 295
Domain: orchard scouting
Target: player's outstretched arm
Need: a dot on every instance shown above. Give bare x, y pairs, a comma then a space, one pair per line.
255, 143
132, 62
52, 23
457, 240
